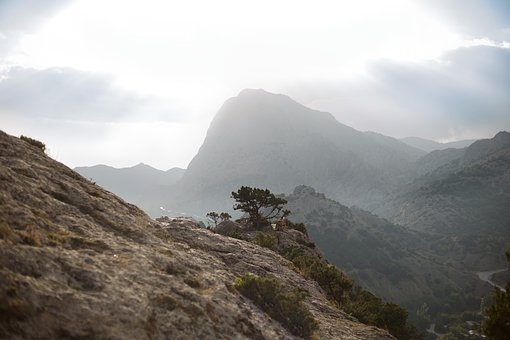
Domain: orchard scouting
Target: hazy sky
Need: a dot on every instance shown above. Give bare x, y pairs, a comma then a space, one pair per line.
122, 82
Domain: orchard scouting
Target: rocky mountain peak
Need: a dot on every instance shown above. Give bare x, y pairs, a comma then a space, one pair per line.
304, 190
269, 140
503, 137
485, 147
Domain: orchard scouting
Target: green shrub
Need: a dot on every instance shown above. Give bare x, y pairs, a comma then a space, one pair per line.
297, 226
372, 310
216, 218
497, 316
334, 282
266, 240
34, 142
282, 304
340, 289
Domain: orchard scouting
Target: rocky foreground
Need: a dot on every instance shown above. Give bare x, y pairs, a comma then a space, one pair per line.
78, 262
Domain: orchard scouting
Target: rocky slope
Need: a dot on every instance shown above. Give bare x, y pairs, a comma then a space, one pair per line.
78, 262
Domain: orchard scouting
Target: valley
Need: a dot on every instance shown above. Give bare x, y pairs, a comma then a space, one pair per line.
487, 276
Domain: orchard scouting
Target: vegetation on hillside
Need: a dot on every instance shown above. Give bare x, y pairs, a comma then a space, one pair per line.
297, 226
281, 303
497, 317
360, 303
216, 218
338, 287
33, 142
395, 263
266, 240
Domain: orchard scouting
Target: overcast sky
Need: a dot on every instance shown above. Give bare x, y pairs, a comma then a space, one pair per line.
120, 82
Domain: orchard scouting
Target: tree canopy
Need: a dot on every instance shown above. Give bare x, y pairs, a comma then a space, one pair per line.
497, 317
260, 204
215, 217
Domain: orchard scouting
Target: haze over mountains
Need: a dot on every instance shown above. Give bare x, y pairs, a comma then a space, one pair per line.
133, 183
394, 262
77, 262
466, 197
269, 140
446, 210
428, 145
264, 139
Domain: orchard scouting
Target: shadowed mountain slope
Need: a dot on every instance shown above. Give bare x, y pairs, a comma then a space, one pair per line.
465, 196
394, 262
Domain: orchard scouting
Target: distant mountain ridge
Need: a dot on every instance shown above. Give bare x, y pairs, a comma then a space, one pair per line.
135, 184
397, 263
428, 145
465, 197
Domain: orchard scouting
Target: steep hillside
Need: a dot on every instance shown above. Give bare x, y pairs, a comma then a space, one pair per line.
437, 159
268, 140
392, 261
136, 184
78, 262
466, 200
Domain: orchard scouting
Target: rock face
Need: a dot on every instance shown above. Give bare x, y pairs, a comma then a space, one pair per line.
78, 262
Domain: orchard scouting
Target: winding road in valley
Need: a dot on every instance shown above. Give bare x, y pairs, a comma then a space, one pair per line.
487, 275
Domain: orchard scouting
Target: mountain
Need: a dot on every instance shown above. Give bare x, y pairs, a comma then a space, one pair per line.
269, 140
428, 145
134, 184
437, 159
394, 262
465, 199
78, 262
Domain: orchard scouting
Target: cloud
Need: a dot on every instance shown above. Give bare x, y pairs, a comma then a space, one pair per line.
23, 17
85, 119
462, 95
475, 18
73, 95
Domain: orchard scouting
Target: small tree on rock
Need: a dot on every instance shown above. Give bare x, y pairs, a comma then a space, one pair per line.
215, 217
225, 217
260, 204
